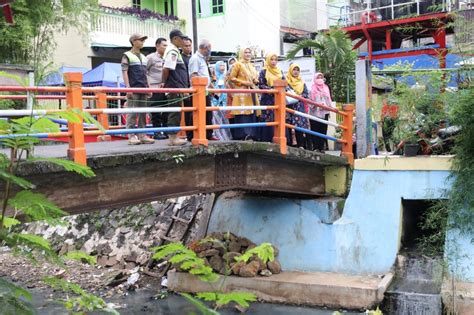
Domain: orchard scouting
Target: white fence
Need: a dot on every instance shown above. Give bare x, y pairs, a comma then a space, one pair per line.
347, 13
125, 24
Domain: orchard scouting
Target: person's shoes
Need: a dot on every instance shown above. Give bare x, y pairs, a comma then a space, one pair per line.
133, 140
146, 140
160, 136
176, 141
213, 138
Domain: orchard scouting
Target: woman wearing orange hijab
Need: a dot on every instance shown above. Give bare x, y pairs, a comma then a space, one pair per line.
268, 75
244, 76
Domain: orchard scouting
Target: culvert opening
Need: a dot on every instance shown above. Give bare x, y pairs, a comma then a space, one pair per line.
416, 231
418, 277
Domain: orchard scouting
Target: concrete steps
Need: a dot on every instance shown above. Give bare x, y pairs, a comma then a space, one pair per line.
315, 288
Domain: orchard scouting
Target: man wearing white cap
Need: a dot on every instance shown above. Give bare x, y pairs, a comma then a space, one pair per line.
134, 75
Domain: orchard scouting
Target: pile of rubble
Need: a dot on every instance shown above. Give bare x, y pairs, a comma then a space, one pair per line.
220, 255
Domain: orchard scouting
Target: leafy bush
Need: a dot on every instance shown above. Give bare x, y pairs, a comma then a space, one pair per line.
187, 260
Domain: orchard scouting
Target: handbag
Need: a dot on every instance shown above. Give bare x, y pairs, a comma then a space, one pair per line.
290, 100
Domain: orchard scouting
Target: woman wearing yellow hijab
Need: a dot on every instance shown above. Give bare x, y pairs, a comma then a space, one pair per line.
268, 75
296, 83
244, 76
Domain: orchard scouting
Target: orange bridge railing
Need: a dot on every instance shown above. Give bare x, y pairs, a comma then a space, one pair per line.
75, 94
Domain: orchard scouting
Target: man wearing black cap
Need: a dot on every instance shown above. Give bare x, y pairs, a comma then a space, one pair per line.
134, 75
175, 75
187, 52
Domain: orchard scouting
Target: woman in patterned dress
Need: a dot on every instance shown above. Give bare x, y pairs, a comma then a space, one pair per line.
296, 83
268, 75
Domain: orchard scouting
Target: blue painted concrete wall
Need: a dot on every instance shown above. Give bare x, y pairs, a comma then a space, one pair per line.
364, 240
296, 227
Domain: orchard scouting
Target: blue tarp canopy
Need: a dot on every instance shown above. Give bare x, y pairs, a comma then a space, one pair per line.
106, 74
57, 77
422, 61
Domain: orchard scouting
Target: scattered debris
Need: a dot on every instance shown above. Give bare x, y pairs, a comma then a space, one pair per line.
164, 282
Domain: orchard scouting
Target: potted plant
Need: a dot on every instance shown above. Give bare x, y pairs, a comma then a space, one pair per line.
408, 134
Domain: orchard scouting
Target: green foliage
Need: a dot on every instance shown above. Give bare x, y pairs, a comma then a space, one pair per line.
461, 197
264, 251
377, 311
178, 158
14, 300
334, 57
36, 206
201, 307
9, 222
434, 222
21, 182
186, 259
422, 101
31, 246
82, 256
221, 299
70, 166
83, 301
31, 39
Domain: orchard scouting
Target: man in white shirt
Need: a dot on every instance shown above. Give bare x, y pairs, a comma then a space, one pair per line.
154, 68
198, 68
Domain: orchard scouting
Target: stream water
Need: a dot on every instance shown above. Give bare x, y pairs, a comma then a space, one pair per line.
144, 302
416, 288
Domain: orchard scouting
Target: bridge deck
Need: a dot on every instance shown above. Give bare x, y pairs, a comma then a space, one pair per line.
132, 174
95, 149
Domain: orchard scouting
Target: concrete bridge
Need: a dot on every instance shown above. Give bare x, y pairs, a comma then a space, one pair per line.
128, 175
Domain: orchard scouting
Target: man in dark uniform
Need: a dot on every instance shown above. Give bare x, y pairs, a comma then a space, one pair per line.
187, 52
175, 75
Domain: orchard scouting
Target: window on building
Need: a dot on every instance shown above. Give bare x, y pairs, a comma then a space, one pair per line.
169, 7
217, 6
207, 8
136, 4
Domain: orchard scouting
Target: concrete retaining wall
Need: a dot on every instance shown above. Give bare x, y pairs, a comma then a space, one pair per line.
365, 240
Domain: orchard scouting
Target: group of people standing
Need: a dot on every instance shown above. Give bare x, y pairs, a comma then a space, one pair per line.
173, 65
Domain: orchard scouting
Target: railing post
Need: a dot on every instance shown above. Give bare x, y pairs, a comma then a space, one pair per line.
199, 114
347, 133
279, 135
102, 118
76, 151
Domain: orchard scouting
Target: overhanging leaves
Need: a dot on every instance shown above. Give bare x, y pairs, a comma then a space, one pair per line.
202, 308
21, 182
82, 256
221, 299
14, 299
36, 207
264, 251
68, 165
9, 222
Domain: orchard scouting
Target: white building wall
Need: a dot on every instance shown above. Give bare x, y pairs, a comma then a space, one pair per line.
185, 13
72, 50
322, 10
245, 22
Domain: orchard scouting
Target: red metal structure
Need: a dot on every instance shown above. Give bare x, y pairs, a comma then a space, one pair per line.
7, 10
385, 37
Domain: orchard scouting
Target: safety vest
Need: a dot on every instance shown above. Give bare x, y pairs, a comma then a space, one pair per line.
136, 70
